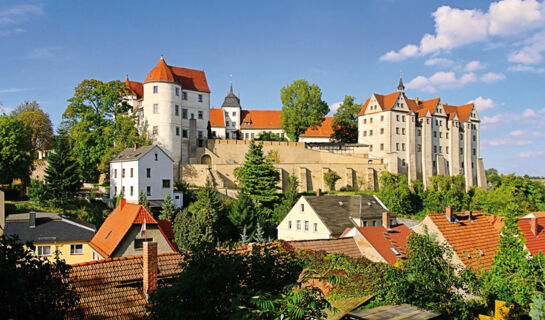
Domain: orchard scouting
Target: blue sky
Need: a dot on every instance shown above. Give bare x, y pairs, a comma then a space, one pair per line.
488, 52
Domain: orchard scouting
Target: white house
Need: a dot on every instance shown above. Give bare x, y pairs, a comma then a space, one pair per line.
147, 169
325, 217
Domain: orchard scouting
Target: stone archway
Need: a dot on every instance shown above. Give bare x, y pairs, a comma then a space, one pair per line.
206, 159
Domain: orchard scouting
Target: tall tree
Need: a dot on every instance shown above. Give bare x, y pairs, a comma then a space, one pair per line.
143, 200
258, 177
243, 214
167, 210
290, 197
38, 122
302, 107
62, 175
345, 121
15, 149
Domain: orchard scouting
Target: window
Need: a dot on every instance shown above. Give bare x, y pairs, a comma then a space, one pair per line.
192, 116
397, 130
403, 131
434, 148
364, 121
306, 225
148, 190
166, 183
177, 92
155, 108
226, 113
76, 249
440, 149
176, 110
156, 157
419, 148
371, 148
184, 113
382, 147
298, 227
177, 131
474, 138
397, 117
227, 135
302, 207
123, 173
289, 224
374, 223
474, 152
403, 118
115, 173
200, 115
132, 190
184, 95
440, 123
419, 132
435, 134
403, 146
155, 130
440, 134
200, 97
446, 135
364, 133
246, 136
43, 251
139, 243
365, 223
370, 132
446, 149
461, 151
315, 227
436, 122
115, 190
381, 130
184, 133
132, 172
155, 89
226, 123
123, 190
370, 120
234, 124
397, 146
381, 118
199, 134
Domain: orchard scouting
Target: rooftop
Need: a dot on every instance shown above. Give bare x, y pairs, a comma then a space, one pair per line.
342, 245
135, 153
390, 244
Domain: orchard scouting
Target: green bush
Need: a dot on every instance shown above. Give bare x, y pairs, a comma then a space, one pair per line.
331, 177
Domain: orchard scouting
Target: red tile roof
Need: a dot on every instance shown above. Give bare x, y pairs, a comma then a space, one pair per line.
261, 119
166, 227
383, 240
161, 72
534, 242
188, 78
341, 245
216, 118
362, 111
136, 88
324, 130
469, 237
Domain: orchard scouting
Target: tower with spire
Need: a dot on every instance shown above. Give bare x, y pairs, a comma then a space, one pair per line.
232, 112
400, 86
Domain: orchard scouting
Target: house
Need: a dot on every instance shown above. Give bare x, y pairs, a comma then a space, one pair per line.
125, 231
147, 169
473, 236
533, 228
53, 235
323, 217
385, 243
346, 245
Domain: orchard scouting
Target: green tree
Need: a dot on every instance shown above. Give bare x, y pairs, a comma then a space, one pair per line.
15, 150
38, 122
396, 194
143, 200
302, 108
289, 199
331, 177
36, 288
345, 121
269, 136
167, 210
62, 175
243, 214
258, 177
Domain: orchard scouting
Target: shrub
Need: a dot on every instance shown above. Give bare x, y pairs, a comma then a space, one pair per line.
331, 179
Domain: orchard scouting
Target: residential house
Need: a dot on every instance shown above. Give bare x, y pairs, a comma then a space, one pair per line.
323, 217
53, 235
146, 169
533, 228
121, 235
473, 236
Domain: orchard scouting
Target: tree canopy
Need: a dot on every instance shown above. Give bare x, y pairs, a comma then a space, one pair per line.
302, 107
38, 122
15, 149
345, 121
62, 175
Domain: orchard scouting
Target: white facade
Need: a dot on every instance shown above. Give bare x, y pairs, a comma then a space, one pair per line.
302, 223
149, 172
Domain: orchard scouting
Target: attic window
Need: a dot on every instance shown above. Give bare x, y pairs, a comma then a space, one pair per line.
480, 252
106, 237
467, 254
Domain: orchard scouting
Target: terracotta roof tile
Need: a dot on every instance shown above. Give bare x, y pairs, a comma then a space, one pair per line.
261, 119
216, 118
188, 78
161, 72
466, 236
362, 111
324, 130
137, 88
383, 240
342, 245
534, 243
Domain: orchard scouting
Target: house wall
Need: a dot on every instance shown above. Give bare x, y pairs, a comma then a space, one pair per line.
126, 247
307, 215
366, 249
63, 249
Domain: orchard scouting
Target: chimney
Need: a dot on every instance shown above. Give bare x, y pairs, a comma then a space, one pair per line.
448, 214
2, 213
386, 220
32, 219
533, 225
238, 96
469, 215
319, 192
122, 202
416, 99
150, 268
136, 145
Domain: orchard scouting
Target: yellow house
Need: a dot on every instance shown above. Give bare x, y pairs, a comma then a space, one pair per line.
53, 235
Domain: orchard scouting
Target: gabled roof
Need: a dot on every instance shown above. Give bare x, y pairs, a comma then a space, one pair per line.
117, 224
338, 211
387, 101
362, 111
216, 118
324, 130
475, 242
231, 100
385, 240
133, 154
534, 243
261, 119
136, 88
188, 78
49, 227
464, 111
347, 246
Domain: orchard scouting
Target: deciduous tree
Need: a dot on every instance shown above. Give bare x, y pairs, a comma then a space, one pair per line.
345, 121
38, 122
15, 149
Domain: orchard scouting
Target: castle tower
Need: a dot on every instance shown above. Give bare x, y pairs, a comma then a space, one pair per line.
232, 113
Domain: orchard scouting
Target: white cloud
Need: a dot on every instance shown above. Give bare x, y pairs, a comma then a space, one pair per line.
335, 106
516, 133
494, 119
13, 90
492, 77
421, 83
483, 103
506, 142
11, 18
524, 68
473, 66
530, 53
441, 79
439, 62
529, 113
513, 16
531, 154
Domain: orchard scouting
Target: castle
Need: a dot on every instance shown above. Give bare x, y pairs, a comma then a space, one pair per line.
419, 138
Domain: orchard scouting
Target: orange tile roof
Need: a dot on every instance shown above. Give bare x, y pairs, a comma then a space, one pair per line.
383, 240
216, 118
161, 72
464, 111
469, 237
431, 104
539, 214
362, 111
136, 87
534, 243
188, 78
116, 226
387, 101
261, 119
324, 130
341, 245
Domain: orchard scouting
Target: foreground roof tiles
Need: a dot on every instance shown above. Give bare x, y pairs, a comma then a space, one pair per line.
534, 242
385, 240
342, 245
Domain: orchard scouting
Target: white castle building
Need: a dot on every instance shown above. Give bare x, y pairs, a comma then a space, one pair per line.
423, 138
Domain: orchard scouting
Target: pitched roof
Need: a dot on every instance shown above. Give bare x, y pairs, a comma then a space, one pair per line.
116, 226
137, 88
261, 119
112, 288
337, 211
188, 78
216, 118
534, 243
385, 240
347, 246
464, 111
468, 237
49, 227
387, 101
324, 130
231, 100
132, 154
362, 111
